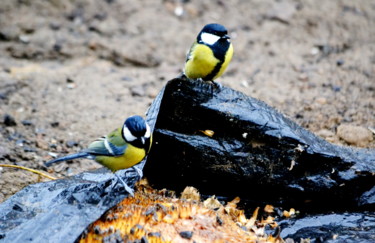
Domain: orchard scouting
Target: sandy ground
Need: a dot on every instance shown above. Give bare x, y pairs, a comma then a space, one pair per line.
74, 70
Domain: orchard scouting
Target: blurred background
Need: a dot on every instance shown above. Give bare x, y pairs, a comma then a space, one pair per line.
71, 71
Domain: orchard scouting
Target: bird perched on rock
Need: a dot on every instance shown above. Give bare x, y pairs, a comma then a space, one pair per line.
120, 149
210, 54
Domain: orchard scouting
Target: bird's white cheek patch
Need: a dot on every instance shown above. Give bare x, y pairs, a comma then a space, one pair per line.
128, 135
209, 39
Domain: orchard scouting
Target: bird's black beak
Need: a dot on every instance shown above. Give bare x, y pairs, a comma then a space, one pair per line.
226, 37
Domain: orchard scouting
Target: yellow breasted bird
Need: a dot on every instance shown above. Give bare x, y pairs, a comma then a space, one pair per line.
121, 149
210, 54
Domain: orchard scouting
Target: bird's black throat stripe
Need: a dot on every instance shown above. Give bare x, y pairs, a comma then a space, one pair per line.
219, 49
215, 71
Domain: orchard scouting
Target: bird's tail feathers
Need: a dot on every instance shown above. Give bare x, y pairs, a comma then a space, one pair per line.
68, 157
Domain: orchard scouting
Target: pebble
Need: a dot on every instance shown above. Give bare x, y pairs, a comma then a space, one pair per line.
152, 93
179, 11
244, 83
69, 80
314, 51
4, 151
54, 26
321, 100
9, 33
24, 39
71, 85
354, 135
138, 90
303, 77
282, 11
52, 154
325, 133
20, 142
27, 122
336, 88
186, 234
28, 149
42, 144
9, 120
55, 124
71, 143
40, 131
340, 62
126, 78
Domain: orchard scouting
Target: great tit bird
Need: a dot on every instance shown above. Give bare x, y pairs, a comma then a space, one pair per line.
121, 149
210, 54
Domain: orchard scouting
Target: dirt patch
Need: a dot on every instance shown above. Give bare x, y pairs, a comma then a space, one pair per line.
74, 70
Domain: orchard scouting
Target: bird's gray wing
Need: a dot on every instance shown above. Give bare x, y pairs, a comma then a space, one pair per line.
190, 52
103, 147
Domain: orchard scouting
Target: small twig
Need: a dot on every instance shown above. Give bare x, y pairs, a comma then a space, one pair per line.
28, 169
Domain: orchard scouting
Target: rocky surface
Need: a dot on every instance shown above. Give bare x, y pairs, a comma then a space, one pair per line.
228, 144
73, 70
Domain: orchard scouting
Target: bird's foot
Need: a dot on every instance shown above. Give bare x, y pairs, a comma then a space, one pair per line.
216, 85
126, 187
182, 76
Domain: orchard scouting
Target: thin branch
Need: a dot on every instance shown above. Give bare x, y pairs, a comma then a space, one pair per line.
28, 169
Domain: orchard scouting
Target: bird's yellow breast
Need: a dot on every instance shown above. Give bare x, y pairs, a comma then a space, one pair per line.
131, 157
201, 63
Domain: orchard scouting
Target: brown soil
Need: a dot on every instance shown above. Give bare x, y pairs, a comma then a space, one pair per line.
74, 70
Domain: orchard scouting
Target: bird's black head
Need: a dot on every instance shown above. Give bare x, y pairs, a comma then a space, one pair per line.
137, 132
215, 29
214, 34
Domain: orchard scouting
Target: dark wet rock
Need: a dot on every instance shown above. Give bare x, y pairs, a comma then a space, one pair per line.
368, 198
60, 210
65, 207
336, 227
222, 142
229, 144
